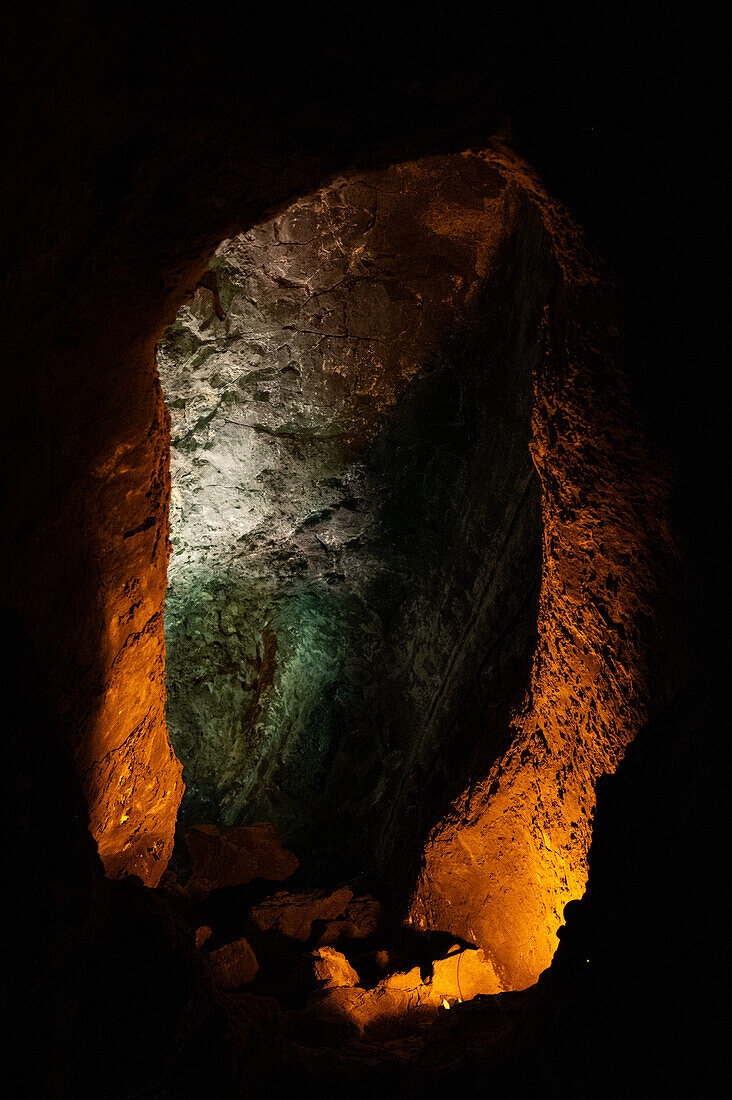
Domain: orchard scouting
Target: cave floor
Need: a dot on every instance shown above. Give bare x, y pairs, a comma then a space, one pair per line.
351, 989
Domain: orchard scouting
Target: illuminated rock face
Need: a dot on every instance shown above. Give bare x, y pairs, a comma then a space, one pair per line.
408, 385
512, 851
355, 514
132, 778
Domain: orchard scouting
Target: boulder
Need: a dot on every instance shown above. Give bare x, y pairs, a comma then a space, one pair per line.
203, 934
234, 965
293, 914
235, 855
332, 969
404, 997
366, 916
363, 919
463, 975
336, 930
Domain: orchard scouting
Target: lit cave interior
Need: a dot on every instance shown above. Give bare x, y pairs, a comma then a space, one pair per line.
351, 701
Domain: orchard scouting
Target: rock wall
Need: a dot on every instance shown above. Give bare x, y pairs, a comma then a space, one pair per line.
512, 852
350, 616
135, 145
84, 558
355, 514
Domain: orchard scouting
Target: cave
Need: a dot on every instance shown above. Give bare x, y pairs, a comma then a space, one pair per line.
355, 515
357, 666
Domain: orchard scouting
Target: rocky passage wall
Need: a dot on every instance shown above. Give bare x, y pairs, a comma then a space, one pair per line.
350, 614
513, 849
512, 852
355, 514
95, 281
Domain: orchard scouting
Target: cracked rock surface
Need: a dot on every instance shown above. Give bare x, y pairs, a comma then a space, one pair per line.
355, 514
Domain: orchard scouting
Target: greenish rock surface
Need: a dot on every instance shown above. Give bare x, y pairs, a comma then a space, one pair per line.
355, 515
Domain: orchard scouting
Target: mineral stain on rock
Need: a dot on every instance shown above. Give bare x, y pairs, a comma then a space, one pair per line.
355, 514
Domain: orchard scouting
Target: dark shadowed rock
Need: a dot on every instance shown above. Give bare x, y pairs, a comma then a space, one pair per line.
229, 856
203, 935
293, 914
364, 918
234, 965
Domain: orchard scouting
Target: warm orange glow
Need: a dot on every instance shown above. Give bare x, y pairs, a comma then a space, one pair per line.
500, 868
461, 975
131, 776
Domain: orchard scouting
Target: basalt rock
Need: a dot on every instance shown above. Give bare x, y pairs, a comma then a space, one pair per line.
331, 969
234, 965
293, 914
405, 999
416, 527
363, 920
234, 856
518, 836
355, 513
136, 148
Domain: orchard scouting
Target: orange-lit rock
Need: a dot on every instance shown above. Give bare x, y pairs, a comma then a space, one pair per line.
131, 777
233, 856
462, 975
513, 850
293, 914
404, 996
234, 965
332, 969
501, 866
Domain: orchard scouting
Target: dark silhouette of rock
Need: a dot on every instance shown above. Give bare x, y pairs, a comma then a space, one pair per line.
234, 965
294, 914
225, 856
364, 919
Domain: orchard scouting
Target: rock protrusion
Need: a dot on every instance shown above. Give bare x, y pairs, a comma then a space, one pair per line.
363, 920
293, 914
404, 995
332, 969
236, 855
234, 965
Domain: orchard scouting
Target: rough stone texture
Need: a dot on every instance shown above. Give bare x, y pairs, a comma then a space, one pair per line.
513, 850
234, 965
465, 973
134, 148
121, 183
293, 914
364, 918
403, 998
332, 969
355, 514
234, 856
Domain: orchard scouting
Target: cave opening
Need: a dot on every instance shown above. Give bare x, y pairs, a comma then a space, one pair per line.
352, 598
396, 652
353, 586
309, 915
408, 620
